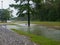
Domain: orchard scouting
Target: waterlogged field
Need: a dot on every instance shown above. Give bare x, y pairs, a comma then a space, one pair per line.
40, 40
43, 33
39, 22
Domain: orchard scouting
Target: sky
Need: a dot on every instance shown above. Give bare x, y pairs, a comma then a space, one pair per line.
6, 5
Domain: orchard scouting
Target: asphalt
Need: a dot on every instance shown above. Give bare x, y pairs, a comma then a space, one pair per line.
8, 37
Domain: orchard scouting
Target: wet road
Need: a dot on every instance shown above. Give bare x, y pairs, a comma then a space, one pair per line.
8, 37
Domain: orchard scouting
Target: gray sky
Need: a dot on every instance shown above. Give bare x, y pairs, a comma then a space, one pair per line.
6, 5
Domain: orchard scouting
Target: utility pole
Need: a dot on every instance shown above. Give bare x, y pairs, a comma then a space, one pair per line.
1, 4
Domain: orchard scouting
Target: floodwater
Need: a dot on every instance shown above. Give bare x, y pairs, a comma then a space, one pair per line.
39, 30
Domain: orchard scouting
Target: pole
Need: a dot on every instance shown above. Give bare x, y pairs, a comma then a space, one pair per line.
1, 4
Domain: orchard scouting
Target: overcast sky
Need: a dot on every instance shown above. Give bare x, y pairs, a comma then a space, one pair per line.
6, 5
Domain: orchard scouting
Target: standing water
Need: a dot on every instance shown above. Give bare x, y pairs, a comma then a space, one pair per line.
39, 30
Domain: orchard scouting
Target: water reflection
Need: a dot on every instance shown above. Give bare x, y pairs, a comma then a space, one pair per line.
38, 30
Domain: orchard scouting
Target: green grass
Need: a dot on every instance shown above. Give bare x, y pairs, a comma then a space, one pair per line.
38, 39
46, 23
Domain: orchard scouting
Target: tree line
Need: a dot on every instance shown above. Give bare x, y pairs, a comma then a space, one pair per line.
5, 14
41, 10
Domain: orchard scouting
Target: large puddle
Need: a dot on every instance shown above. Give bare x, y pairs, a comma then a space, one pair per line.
39, 30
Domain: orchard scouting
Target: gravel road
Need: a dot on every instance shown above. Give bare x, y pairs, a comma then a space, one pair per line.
8, 37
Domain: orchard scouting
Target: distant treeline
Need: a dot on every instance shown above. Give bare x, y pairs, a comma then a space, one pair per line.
42, 10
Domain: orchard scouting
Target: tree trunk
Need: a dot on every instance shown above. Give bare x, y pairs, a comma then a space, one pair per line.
28, 15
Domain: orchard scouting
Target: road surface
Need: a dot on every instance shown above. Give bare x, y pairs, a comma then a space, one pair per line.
8, 37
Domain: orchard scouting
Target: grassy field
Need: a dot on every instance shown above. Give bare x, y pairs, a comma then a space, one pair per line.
35, 22
38, 39
46, 23
41, 23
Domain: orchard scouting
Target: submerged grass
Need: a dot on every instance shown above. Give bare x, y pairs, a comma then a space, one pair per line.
38, 39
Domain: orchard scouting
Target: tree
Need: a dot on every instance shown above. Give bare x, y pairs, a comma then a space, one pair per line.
48, 10
22, 7
44, 10
4, 15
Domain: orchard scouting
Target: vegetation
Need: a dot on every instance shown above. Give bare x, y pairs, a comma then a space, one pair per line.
38, 22
5, 15
35, 10
38, 39
42, 10
46, 23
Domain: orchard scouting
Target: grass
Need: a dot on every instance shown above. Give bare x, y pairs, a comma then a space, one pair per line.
46, 23
39, 22
38, 39
8, 23
35, 22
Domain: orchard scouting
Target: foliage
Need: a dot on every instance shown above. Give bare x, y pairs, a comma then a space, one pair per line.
42, 11
48, 11
4, 15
